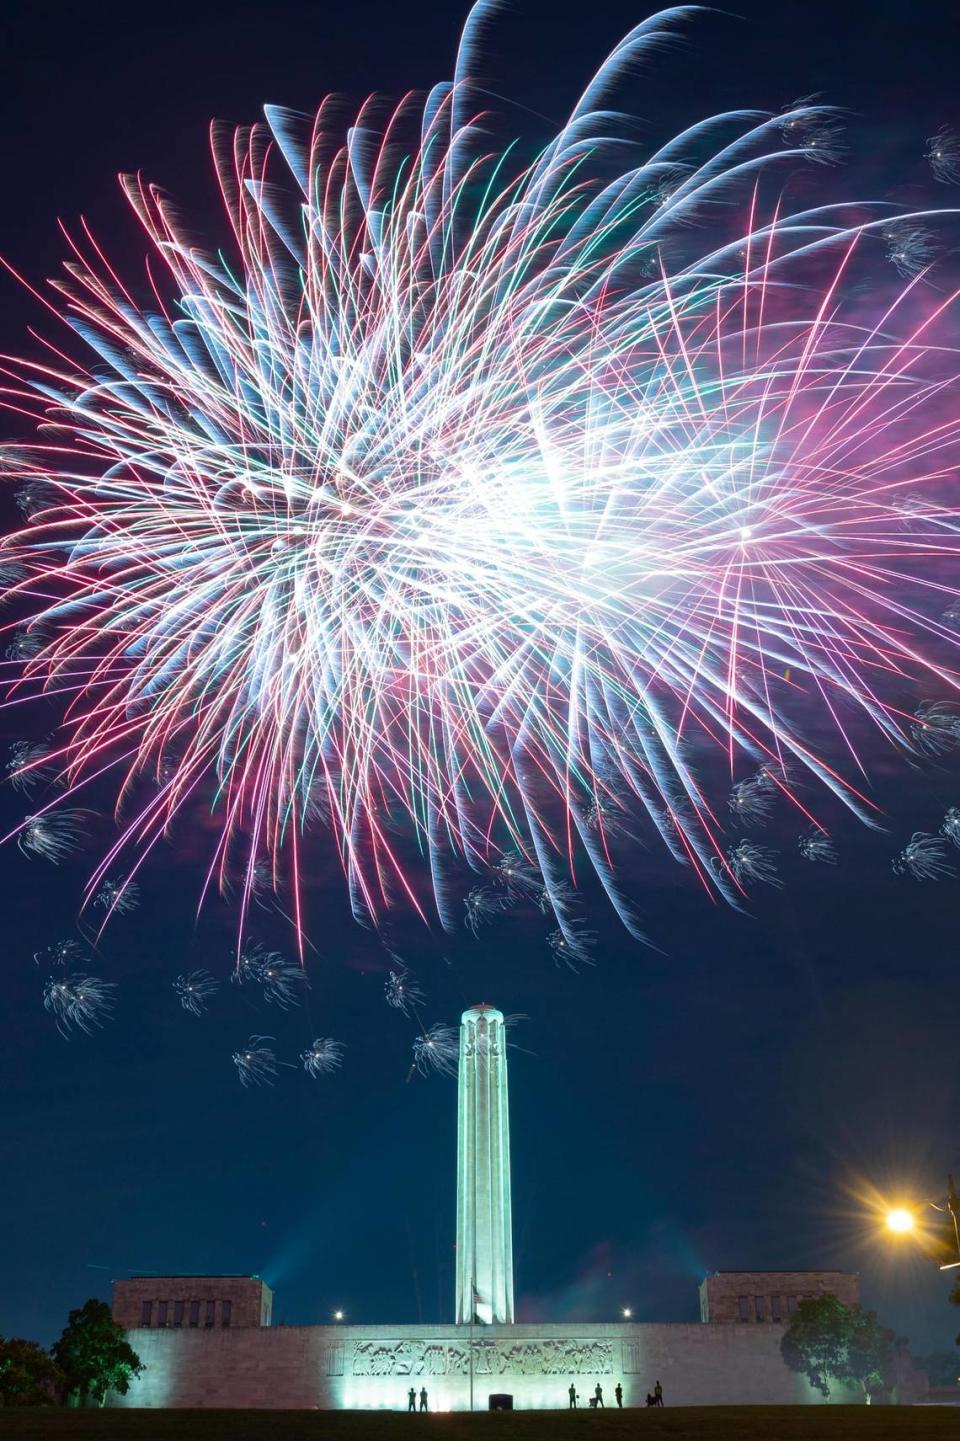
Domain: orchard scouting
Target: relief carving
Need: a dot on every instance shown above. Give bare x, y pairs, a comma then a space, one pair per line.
490, 1358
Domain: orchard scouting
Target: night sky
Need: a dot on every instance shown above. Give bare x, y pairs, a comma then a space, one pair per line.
714, 1101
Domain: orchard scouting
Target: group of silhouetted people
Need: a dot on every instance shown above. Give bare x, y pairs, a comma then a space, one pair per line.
596, 1400
654, 1398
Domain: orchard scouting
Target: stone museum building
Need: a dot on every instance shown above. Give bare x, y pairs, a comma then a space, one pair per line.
208, 1340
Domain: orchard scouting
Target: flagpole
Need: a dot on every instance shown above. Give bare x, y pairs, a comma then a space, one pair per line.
473, 1317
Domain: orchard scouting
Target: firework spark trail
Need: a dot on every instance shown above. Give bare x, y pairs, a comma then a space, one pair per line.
465, 495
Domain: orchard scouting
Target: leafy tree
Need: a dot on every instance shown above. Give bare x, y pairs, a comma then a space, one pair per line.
94, 1354
28, 1377
828, 1341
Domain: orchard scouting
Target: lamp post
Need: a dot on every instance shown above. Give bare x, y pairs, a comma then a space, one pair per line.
902, 1221
953, 1206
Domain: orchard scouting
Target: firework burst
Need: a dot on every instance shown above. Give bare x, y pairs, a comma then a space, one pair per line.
473, 487
256, 1062
195, 990
81, 1002
323, 1057
437, 1050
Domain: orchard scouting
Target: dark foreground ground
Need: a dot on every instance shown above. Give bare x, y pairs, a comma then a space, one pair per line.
715, 1423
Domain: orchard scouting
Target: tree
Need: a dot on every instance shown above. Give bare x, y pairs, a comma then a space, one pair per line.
28, 1377
94, 1354
828, 1341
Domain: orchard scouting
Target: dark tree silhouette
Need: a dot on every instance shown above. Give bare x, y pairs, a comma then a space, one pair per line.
28, 1376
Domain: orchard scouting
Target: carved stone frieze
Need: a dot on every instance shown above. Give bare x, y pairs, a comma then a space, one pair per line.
554, 1357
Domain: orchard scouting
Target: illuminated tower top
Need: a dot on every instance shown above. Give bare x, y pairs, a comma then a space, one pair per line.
484, 1236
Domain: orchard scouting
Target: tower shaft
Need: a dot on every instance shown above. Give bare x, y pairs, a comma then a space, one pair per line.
484, 1233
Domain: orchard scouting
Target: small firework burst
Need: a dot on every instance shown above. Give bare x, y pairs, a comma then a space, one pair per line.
53, 835
60, 953
195, 990
814, 130
816, 845
481, 906
256, 1062
118, 897
571, 944
28, 766
282, 981
323, 1057
515, 874
401, 991
35, 496
249, 967
924, 857
437, 1051
751, 802
752, 863
81, 1002
25, 645
951, 825
910, 249
936, 727
943, 156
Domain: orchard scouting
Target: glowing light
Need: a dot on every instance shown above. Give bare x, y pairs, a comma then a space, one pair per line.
417, 520
900, 1220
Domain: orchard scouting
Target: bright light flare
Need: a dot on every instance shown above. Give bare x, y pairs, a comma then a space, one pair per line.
900, 1221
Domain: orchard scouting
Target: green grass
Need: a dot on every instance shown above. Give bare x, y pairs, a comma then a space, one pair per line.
694, 1423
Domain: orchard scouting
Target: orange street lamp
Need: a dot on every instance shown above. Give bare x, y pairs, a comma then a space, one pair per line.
902, 1221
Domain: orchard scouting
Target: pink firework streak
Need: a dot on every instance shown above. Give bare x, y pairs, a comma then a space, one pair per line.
469, 500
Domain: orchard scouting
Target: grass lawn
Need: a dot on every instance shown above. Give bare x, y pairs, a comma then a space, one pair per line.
714, 1423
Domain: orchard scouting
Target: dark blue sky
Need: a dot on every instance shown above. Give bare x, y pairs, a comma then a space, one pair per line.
705, 1105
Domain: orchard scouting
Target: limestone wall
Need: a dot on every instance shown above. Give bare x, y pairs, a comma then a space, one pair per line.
358, 1367
192, 1301
746, 1297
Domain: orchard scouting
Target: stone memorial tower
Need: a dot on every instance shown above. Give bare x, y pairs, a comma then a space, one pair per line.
484, 1236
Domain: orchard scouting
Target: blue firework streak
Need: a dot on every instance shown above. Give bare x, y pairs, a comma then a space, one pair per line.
474, 489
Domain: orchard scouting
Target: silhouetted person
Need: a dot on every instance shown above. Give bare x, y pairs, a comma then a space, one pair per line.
658, 1394
572, 1393
598, 1395
618, 1392
650, 1400
423, 1399
411, 1400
